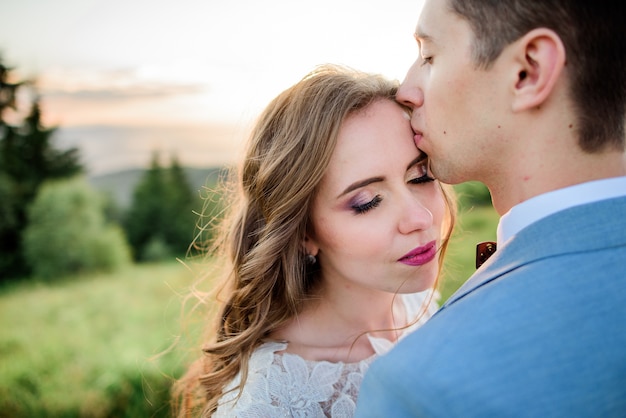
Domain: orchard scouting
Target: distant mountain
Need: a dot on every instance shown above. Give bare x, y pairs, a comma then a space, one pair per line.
111, 148
121, 185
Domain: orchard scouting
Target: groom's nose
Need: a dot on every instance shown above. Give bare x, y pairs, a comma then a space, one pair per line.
410, 94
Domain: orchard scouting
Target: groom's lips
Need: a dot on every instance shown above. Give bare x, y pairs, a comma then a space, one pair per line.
418, 136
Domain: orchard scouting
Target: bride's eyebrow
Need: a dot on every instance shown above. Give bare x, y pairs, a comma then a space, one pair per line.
365, 182
361, 183
420, 158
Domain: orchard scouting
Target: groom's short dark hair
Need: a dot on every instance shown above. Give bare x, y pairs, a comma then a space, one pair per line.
594, 35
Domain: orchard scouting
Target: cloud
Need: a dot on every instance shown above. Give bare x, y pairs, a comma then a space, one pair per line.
114, 85
124, 93
123, 96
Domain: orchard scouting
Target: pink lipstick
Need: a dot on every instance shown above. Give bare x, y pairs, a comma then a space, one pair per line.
420, 255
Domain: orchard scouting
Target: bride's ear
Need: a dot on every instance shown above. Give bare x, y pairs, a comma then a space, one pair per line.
539, 59
310, 246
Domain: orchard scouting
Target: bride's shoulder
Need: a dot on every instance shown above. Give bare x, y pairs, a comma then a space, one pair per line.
279, 383
254, 398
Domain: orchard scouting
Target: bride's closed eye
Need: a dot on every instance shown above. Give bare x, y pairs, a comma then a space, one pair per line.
419, 174
360, 208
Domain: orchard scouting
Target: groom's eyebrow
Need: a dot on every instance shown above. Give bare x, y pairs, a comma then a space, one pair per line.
421, 36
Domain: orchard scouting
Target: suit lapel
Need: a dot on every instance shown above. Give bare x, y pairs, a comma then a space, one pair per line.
581, 229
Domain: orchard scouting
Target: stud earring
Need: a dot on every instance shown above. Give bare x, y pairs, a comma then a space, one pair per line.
310, 259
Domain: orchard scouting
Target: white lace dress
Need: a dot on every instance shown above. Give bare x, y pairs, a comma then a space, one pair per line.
286, 385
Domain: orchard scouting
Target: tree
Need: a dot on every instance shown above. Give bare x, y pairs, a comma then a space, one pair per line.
160, 222
147, 214
7, 91
27, 159
181, 205
67, 232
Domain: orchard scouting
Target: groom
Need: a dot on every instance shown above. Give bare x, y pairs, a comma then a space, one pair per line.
529, 97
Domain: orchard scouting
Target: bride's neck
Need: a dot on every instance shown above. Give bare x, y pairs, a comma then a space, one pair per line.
335, 327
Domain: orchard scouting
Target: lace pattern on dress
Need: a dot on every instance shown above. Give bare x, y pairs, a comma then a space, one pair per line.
286, 385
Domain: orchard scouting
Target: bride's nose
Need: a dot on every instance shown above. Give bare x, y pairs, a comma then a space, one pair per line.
414, 216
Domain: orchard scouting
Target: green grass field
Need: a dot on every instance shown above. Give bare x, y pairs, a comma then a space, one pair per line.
84, 348
96, 346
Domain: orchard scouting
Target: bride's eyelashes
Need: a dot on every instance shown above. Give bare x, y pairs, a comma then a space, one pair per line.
422, 179
419, 173
360, 208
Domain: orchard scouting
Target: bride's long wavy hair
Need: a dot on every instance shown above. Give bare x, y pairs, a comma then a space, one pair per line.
266, 279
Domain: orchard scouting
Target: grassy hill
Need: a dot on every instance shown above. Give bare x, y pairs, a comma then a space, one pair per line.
97, 345
93, 346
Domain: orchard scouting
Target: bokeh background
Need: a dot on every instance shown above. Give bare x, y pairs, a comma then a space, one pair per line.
117, 119
124, 77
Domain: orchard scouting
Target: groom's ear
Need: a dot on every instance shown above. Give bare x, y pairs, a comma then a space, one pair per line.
539, 58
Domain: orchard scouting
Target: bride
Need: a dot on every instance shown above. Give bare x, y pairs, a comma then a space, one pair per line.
333, 247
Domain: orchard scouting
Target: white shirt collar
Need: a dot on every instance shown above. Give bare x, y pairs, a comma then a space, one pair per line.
538, 207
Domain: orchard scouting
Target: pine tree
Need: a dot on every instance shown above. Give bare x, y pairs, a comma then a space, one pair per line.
160, 222
181, 205
27, 159
147, 214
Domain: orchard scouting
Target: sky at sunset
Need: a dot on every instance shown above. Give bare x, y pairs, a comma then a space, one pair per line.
124, 78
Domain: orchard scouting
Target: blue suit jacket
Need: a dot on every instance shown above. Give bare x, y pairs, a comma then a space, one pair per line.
538, 331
